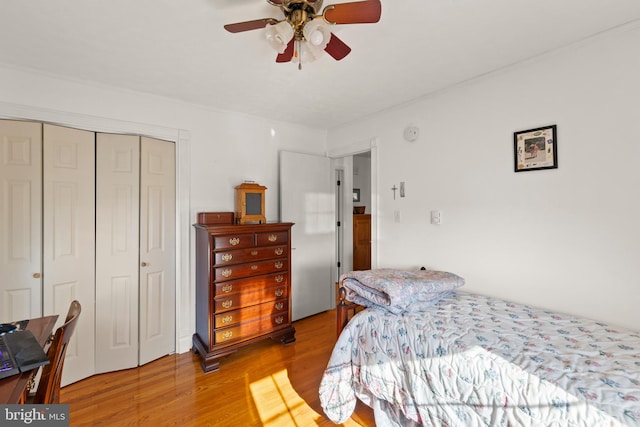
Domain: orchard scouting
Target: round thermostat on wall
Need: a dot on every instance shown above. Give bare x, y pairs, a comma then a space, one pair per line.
411, 133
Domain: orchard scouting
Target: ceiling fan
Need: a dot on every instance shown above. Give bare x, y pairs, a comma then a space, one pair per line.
304, 33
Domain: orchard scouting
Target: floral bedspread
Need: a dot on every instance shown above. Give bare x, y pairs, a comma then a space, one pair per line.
475, 360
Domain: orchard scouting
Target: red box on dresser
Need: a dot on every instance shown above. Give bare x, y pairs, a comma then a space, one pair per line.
243, 288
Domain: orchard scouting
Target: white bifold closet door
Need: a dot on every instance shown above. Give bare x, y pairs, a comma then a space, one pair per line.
117, 251
157, 249
135, 240
90, 217
20, 220
68, 239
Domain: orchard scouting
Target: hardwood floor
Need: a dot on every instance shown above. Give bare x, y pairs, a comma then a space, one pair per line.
264, 384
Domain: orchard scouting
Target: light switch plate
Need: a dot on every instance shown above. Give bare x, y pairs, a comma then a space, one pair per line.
436, 217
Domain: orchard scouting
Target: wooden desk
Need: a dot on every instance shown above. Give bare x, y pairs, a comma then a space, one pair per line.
12, 388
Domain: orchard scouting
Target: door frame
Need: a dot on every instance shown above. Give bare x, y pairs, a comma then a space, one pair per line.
185, 299
337, 157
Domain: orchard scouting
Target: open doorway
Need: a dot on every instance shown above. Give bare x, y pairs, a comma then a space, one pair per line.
361, 240
355, 170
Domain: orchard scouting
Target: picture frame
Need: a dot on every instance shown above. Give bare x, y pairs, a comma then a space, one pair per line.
535, 149
356, 194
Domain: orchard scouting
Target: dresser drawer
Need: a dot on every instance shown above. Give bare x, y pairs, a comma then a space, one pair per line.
272, 238
233, 241
238, 256
251, 269
250, 329
246, 299
251, 284
247, 314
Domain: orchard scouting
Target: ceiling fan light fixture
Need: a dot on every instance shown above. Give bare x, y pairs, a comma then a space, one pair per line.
317, 33
278, 35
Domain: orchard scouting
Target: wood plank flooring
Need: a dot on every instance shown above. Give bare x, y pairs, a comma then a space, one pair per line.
264, 384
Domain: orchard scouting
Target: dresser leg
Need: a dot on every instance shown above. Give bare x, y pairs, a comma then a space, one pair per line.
210, 361
285, 336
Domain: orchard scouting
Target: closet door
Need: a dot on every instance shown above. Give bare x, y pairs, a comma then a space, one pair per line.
20, 220
69, 239
157, 249
117, 253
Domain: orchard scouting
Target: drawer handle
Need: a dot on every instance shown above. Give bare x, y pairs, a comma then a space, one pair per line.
279, 278
234, 241
279, 251
227, 303
278, 264
227, 319
279, 292
227, 335
273, 237
227, 257
279, 320
227, 272
227, 288
254, 253
279, 305
254, 267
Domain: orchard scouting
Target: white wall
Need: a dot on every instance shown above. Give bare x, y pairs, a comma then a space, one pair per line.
566, 239
216, 150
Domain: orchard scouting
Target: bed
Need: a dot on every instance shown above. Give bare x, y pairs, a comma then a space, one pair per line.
464, 359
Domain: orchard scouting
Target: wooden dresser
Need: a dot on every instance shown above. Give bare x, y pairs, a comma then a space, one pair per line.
243, 288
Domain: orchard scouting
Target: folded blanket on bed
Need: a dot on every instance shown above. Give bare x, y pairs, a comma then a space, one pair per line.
399, 291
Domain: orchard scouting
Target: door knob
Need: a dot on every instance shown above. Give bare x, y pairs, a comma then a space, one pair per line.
36, 275
144, 264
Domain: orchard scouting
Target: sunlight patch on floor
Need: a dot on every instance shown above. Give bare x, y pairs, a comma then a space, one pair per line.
279, 404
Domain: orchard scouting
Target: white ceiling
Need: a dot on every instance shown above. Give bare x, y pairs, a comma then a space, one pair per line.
179, 49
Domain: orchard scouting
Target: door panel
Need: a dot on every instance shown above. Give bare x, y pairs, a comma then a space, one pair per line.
157, 249
68, 239
117, 241
306, 199
20, 220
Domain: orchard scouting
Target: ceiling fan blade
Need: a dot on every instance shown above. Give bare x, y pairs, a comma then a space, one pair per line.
288, 52
359, 12
337, 48
239, 27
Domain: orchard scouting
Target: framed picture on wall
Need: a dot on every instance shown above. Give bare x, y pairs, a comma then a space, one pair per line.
535, 149
356, 194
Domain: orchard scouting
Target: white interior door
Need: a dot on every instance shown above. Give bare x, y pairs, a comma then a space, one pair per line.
69, 239
157, 249
306, 199
117, 251
20, 220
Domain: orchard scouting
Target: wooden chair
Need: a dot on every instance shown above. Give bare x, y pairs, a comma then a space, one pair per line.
48, 391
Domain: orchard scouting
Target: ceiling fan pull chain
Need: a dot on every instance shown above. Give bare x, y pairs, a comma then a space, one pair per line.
297, 54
